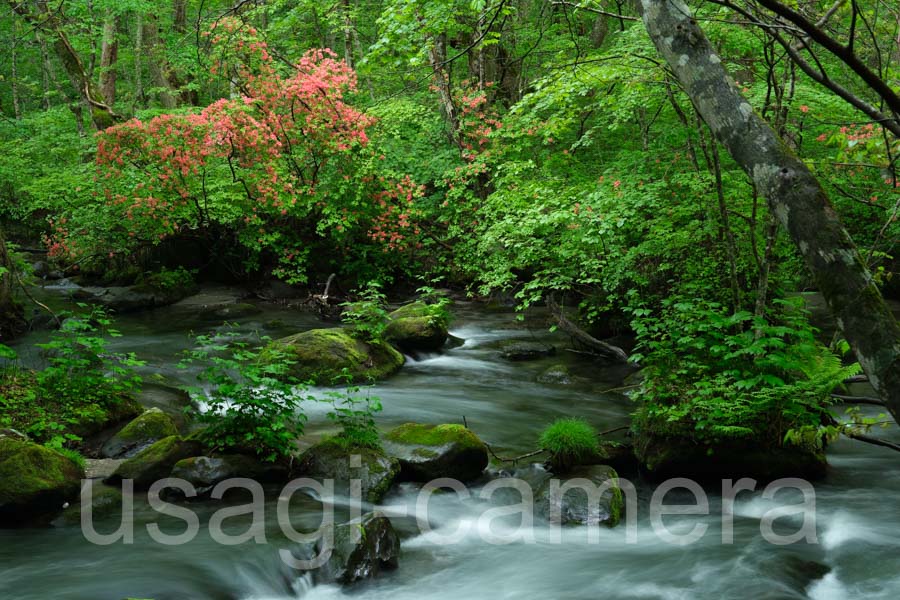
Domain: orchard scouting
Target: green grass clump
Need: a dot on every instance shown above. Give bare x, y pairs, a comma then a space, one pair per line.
568, 440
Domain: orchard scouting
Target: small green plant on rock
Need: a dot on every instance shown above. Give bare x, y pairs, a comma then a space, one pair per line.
355, 413
367, 317
568, 441
250, 405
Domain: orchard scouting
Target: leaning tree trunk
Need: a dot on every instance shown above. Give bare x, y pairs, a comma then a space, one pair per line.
48, 22
794, 195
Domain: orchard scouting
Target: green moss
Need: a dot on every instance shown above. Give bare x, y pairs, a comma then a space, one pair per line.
28, 470
156, 461
153, 424
417, 326
323, 355
434, 435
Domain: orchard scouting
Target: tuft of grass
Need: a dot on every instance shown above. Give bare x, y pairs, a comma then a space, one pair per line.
568, 440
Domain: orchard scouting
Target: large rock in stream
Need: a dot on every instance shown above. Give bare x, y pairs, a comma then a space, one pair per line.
429, 452
35, 482
663, 457
323, 356
142, 296
361, 549
155, 462
588, 495
205, 472
330, 459
152, 426
417, 327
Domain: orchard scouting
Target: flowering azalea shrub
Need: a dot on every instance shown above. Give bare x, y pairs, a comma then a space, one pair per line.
283, 165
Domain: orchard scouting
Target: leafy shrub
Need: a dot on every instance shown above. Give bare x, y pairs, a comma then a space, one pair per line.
568, 440
83, 382
356, 416
712, 375
249, 405
367, 317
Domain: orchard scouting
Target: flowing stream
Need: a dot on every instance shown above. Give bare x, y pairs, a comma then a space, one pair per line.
856, 512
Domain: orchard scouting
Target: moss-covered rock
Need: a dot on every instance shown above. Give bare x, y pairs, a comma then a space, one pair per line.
428, 452
417, 327
153, 425
663, 457
322, 355
35, 482
556, 374
205, 472
331, 459
362, 549
155, 462
595, 499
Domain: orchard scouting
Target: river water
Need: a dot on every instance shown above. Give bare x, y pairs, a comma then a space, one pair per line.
855, 552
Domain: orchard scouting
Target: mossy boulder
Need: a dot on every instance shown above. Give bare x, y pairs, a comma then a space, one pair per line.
106, 503
362, 549
155, 462
92, 420
153, 425
35, 482
429, 452
322, 356
332, 459
205, 472
593, 499
417, 327
662, 457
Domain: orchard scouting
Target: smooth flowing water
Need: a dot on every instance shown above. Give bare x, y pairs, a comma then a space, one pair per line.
856, 512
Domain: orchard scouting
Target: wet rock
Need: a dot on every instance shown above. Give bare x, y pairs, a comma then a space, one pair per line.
155, 462
323, 355
557, 374
429, 452
35, 482
106, 502
238, 310
169, 399
153, 425
518, 350
205, 472
662, 457
362, 549
332, 460
597, 499
101, 468
124, 299
417, 327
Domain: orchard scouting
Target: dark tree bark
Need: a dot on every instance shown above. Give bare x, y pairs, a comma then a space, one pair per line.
11, 321
109, 55
793, 194
157, 63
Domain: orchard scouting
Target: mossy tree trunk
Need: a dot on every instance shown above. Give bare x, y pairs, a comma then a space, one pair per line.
793, 194
11, 321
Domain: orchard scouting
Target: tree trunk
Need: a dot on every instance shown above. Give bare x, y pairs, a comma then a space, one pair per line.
11, 321
794, 195
14, 75
139, 99
48, 22
48, 77
109, 55
157, 64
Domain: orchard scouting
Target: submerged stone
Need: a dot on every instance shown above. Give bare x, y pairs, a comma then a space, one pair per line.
205, 472
521, 350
